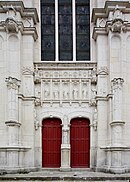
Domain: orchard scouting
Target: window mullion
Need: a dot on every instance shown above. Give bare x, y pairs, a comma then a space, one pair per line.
56, 32
74, 29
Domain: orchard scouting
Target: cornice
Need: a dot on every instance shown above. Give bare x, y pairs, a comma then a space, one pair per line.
19, 26
124, 6
19, 6
65, 66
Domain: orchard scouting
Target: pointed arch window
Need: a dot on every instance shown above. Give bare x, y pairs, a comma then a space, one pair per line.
65, 30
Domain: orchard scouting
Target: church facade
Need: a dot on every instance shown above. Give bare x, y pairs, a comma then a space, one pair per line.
65, 85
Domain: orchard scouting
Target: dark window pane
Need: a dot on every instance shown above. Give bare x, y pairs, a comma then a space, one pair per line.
64, 29
82, 19
48, 19
47, 1
65, 43
48, 9
82, 9
81, 56
83, 29
65, 56
48, 30
64, 1
82, 1
65, 9
82, 43
64, 19
48, 56
48, 43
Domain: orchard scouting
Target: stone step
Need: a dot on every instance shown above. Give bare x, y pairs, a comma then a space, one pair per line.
61, 179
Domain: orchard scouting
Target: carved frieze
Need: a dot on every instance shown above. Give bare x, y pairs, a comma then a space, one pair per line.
65, 90
64, 83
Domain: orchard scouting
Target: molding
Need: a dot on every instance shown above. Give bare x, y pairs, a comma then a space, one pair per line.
13, 123
14, 148
15, 26
115, 148
124, 6
65, 66
111, 18
27, 71
19, 6
21, 96
117, 122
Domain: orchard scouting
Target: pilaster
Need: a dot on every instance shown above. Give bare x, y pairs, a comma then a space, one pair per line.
111, 22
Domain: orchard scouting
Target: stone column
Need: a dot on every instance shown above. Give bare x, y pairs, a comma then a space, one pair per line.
117, 125
12, 121
65, 146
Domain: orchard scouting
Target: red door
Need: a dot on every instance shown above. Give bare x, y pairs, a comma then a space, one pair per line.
51, 143
80, 143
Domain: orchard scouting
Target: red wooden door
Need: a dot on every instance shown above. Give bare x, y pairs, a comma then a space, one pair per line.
51, 143
80, 143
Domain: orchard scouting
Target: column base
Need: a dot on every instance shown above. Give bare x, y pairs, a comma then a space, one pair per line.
65, 169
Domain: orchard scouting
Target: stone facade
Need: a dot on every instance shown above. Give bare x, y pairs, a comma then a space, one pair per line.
32, 90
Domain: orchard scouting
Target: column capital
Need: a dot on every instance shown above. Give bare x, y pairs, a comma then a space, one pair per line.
12, 83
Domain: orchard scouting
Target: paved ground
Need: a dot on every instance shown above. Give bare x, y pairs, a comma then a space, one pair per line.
56, 175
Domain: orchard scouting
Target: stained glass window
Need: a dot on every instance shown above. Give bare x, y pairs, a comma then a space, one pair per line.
83, 32
58, 22
48, 30
65, 30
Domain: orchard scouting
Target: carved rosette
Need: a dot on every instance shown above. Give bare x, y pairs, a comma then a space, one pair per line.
12, 83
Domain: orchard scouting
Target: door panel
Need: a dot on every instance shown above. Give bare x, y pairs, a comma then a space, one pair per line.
51, 143
80, 143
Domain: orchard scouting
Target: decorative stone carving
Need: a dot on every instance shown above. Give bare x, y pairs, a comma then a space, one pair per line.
11, 25
37, 101
95, 119
93, 101
117, 83
12, 83
63, 87
94, 75
27, 71
37, 76
103, 71
36, 122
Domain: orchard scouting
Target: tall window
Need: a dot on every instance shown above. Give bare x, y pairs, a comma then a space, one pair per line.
65, 30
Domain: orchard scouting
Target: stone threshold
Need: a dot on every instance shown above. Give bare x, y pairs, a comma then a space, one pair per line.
72, 178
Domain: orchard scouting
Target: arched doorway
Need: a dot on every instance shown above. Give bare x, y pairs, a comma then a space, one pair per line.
51, 143
80, 143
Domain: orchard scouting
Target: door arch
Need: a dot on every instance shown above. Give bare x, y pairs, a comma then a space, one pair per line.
80, 143
51, 143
